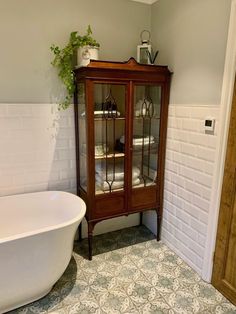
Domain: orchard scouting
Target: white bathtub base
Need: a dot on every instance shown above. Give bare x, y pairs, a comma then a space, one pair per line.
37, 233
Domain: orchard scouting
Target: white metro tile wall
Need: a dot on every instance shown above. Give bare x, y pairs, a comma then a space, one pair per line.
190, 159
37, 153
37, 149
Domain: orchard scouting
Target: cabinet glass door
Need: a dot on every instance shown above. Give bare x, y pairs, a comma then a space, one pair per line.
146, 126
109, 130
82, 136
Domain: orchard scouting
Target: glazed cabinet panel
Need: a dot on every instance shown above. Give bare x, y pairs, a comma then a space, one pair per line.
145, 143
82, 130
120, 124
109, 125
109, 100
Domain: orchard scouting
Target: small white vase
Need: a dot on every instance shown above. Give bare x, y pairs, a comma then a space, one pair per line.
84, 54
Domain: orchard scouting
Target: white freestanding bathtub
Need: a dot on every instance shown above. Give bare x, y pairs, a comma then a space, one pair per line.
36, 240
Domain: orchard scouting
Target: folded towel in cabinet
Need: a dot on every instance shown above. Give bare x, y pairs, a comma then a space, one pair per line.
118, 174
120, 147
139, 140
104, 185
98, 113
151, 161
150, 173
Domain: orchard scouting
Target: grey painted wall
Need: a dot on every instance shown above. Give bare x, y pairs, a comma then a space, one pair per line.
29, 27
191, 38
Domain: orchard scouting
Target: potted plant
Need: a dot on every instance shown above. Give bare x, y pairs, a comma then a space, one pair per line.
64, 60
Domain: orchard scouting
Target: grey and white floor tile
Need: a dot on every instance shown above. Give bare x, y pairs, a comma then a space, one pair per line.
130, 273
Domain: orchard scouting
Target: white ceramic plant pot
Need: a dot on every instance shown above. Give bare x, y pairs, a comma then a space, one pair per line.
84, 54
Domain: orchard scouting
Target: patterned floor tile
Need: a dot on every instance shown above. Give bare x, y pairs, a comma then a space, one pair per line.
141, 292
114, 258
130, 273
72, 293
81, 307
136, 252
149, 266
72, 272
206, 293
222, 308
156, 307
51, 301
170, 258
127, 273
59, 311
27, 310
164, 283
185, 274
157, 249
183, 302
92, 267
115, 302
102, 282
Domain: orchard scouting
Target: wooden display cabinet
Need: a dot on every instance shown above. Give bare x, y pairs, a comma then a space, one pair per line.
121, 113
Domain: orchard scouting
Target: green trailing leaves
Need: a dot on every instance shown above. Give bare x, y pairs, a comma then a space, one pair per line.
63, 61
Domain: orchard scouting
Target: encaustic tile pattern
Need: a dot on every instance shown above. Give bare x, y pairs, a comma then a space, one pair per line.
130, 273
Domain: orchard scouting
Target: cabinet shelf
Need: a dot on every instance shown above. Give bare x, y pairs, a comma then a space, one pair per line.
109, 119
146, 118
110, 155
138, 151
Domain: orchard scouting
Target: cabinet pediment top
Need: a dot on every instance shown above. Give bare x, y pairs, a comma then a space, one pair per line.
130, 65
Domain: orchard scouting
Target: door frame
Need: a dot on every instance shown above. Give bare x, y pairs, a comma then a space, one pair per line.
225, 110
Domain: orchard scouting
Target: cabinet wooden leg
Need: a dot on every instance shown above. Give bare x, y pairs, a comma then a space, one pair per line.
90, 240
158, 225
80, 231
90, 243
141, 219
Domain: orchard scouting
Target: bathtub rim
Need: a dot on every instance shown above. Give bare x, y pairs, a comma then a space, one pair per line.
35, 232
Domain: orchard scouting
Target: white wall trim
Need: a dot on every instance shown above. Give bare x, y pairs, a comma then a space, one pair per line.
225, 110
